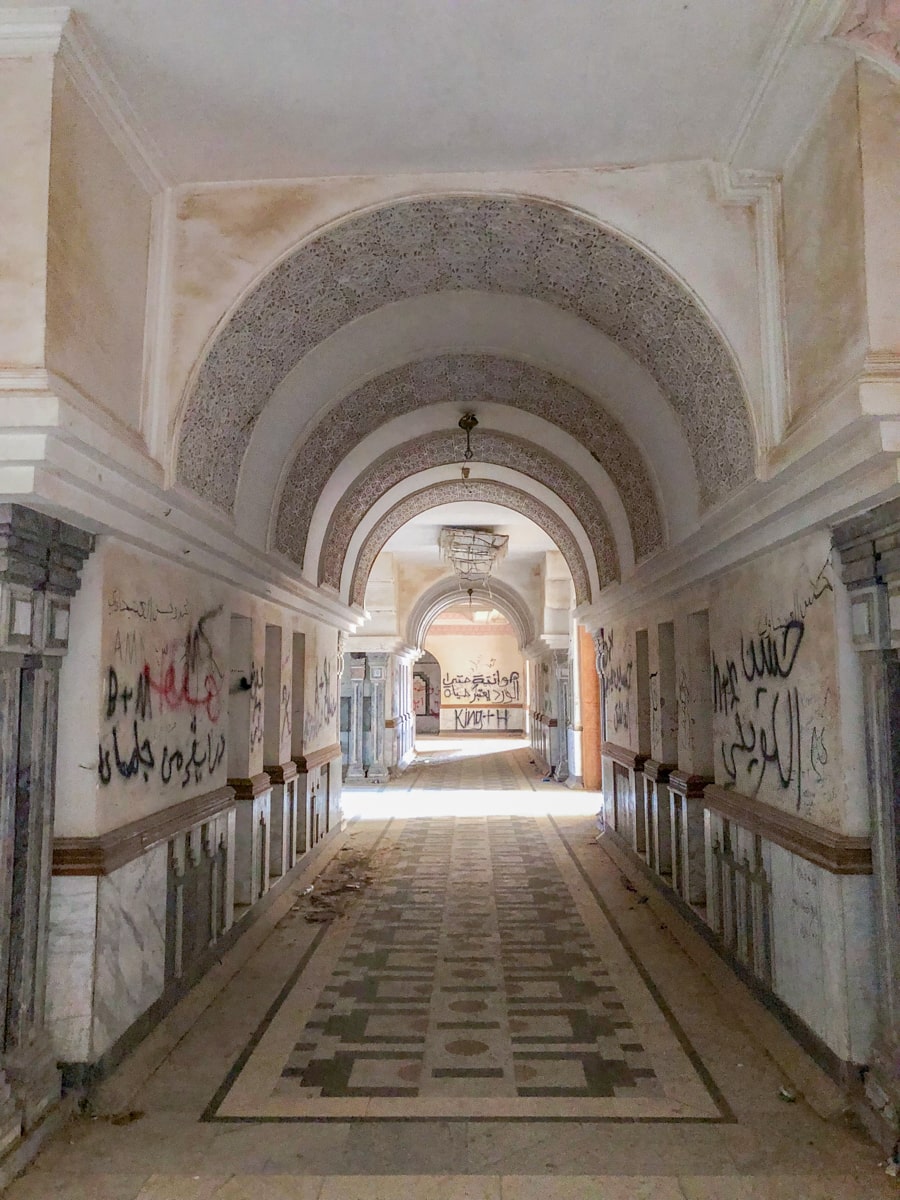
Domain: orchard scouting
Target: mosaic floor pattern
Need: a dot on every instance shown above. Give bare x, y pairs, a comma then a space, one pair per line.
479, 976
450, 770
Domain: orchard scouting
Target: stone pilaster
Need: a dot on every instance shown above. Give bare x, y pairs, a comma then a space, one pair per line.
869, 548
40, 561
355, 768
559, 739
378, 665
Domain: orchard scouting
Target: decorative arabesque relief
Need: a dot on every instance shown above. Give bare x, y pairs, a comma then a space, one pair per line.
439, 449
490, 244
468, 378
454, 491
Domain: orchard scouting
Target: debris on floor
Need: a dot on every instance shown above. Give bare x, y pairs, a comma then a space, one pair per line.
787, 1094
892, 1166
345, 877
128, 1117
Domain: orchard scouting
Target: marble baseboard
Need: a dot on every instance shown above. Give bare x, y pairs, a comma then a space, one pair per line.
106, 957
131, 946
70, 965
823, 939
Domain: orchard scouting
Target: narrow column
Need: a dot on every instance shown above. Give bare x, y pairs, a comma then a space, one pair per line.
355, 769
378, 675
559, 735
591, 736
40, 561
870, 567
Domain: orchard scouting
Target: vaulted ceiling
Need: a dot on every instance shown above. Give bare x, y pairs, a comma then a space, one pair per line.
582, 462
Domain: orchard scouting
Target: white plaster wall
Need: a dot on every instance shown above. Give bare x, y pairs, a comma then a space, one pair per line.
99, 239
824, 259
879, 112
790, 734
25, 97
479, 667
776, 693
135, 609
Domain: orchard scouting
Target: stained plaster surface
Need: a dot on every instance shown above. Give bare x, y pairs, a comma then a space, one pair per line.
224, 1045
226, 238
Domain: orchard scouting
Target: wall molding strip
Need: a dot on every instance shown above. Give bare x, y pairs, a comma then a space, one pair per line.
249, 789
317, 758
632, 759
107, 852
836, 852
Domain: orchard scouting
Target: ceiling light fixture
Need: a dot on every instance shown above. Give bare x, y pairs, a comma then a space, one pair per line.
467, 422
472, 553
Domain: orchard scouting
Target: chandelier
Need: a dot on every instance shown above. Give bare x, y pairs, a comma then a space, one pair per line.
472, 553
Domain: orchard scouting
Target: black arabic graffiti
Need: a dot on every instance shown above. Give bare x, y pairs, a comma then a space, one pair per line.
763, 710
185, 678
147, 609
481, 688
183, 765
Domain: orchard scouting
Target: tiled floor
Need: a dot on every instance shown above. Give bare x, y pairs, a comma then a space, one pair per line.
495, 1013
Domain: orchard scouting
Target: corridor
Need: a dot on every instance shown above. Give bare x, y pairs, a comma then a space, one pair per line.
465, 997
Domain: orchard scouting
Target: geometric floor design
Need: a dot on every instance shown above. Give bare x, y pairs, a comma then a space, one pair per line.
479, 977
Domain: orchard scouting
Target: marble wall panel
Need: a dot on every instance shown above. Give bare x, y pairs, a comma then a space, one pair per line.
70, 966
131, 945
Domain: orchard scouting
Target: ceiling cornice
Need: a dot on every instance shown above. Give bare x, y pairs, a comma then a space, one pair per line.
94, 81
801, 22
25, 32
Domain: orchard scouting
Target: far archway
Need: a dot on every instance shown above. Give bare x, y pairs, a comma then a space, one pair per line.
482, 685
427, 695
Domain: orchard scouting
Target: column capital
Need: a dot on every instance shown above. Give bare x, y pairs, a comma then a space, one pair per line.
868, 548
41, 552
40, 571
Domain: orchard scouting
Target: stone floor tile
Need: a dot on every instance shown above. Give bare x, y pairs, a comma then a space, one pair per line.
825, 1185
411, 1187
171, 1154
404, 1148
589, 1187
180, 1187
270, 1187
47, 1185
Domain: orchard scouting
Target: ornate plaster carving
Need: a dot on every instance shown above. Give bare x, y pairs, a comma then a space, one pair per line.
490, 492
467, 378
436, 450
495, 244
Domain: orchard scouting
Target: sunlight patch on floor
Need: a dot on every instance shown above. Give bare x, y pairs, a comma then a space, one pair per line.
411, 796
371, 806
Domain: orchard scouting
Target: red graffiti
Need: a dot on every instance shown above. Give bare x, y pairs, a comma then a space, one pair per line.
179, 686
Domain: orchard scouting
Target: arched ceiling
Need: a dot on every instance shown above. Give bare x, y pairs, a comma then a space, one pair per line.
449, 491
508, 245
516, 328
470, 379
447, 594
406, 461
